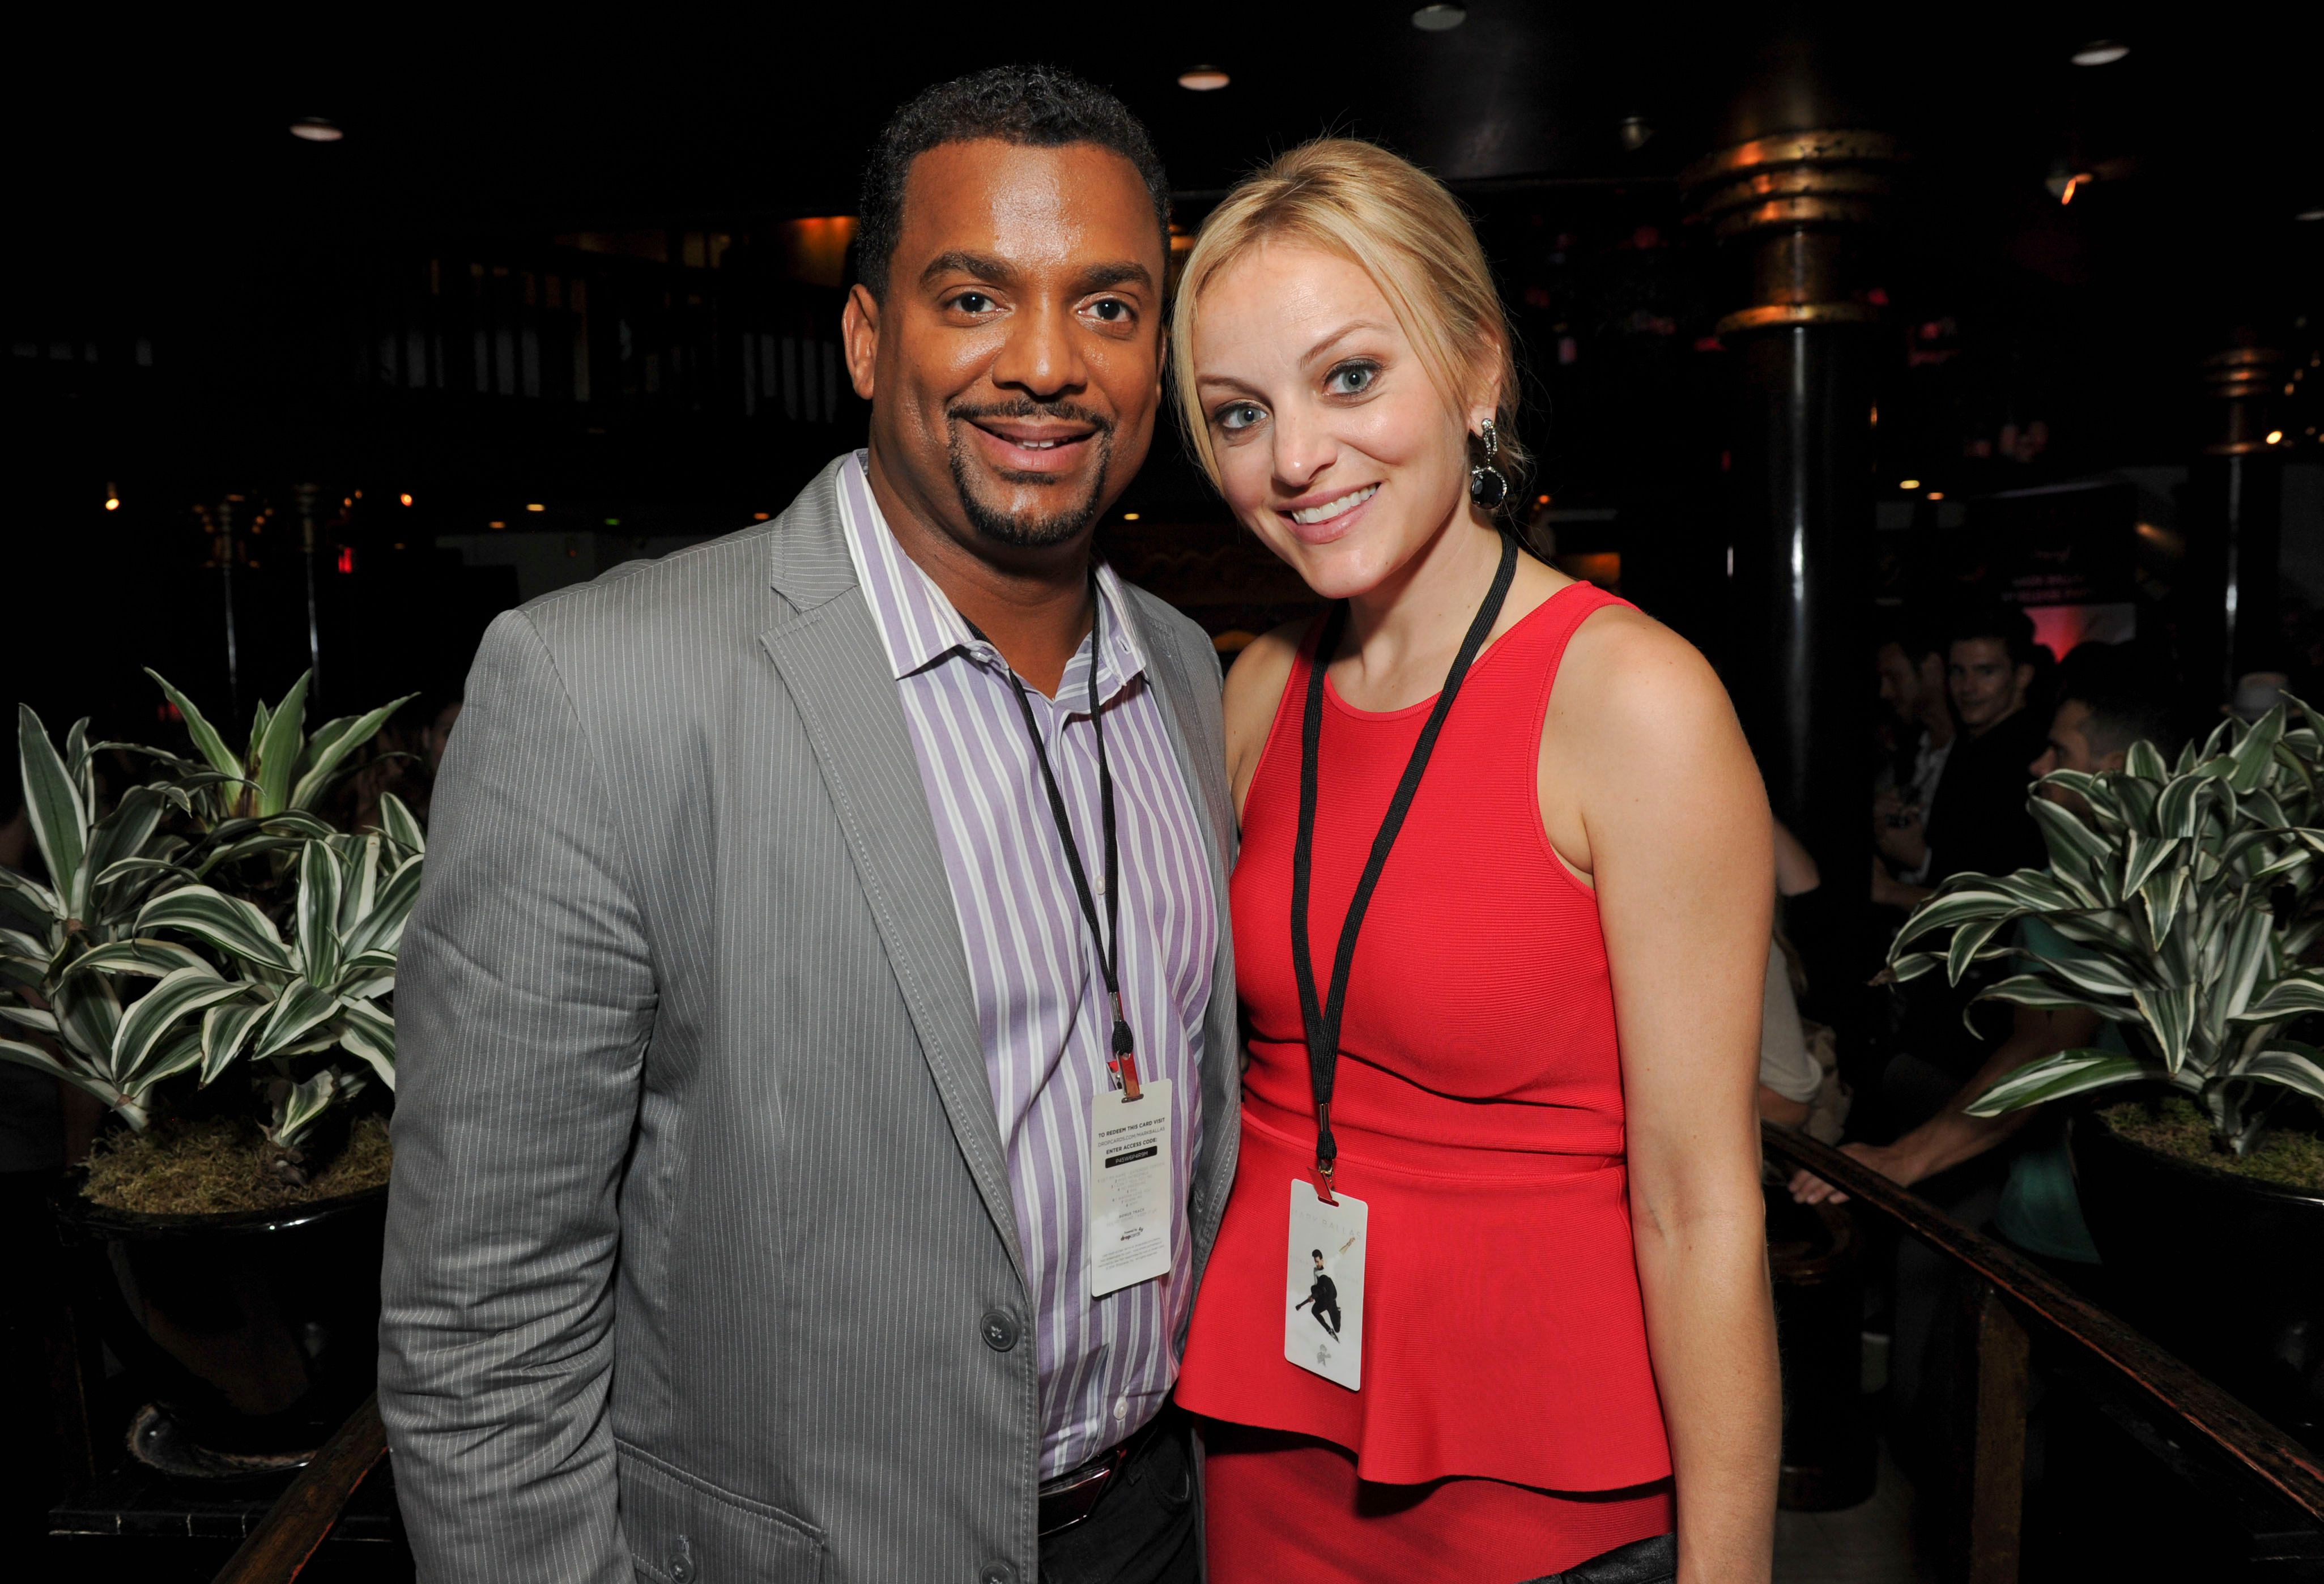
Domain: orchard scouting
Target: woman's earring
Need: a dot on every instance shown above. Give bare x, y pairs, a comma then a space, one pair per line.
1489, 486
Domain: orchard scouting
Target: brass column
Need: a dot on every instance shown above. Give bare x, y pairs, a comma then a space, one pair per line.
2233, 623
1796, 210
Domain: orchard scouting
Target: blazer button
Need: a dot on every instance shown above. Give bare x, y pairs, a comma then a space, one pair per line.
999, 1335
997, 1573
681, 1568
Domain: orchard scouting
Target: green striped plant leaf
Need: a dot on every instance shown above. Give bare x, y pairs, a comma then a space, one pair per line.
2297, 992
333, 743
2289, 1064
108, 1094
54, 806
382, 928
2170, 1013
300, 1106
2145, 762
370, 1034
2254, 755
278, 751
138, 957
39, 1019
89, 1014
229, 924
158, 1015
227, 1029
296, 1013
2069, 1073
207, 741
316, 917
398, 826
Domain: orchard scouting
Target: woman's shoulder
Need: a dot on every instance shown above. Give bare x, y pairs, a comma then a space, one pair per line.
1255, 681
1623, 671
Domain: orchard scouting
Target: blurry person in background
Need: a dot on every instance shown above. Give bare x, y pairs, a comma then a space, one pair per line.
1791, 1077
2108, 702
1977, 822
1910, 665
2010, 1173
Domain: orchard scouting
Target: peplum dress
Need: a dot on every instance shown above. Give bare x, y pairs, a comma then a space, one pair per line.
1508, 1425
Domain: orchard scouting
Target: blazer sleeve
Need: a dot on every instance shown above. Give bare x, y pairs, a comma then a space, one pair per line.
524, 1000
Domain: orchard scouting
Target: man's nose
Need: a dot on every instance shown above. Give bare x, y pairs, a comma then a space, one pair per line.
1042, 354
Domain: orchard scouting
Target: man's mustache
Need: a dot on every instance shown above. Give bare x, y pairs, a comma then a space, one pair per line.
1026, 407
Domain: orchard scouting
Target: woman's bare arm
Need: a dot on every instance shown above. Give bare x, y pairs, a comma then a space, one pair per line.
1648, 772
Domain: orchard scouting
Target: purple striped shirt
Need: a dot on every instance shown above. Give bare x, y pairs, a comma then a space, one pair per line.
1106, 1363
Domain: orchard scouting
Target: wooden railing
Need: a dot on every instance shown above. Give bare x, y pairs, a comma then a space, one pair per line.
284, 1541
2014, 1299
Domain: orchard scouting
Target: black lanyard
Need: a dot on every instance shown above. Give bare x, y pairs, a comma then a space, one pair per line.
1123, 1063
1323, 1017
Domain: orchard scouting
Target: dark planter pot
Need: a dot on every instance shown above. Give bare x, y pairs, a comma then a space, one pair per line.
2226, 1272
253, 1335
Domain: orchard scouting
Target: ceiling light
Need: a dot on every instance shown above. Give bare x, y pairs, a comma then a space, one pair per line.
2276, 437
1908, 483
2100, 52
1634, 133
1936, 494
2309, 215
1438, 19
536, 506
496, 523
315, 129
1203, 78
405, 499
1130, 517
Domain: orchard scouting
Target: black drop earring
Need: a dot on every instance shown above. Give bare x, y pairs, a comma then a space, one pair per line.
1489, 486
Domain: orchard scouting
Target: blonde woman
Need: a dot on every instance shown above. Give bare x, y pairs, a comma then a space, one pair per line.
1490, 1297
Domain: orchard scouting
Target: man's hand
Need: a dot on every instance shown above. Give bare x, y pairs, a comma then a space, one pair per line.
1893, 1161
1900, 834
1888, 891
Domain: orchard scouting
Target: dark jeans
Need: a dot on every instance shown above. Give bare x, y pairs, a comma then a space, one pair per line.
1145, 1529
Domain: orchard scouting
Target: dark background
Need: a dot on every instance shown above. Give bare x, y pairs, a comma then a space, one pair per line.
558, 263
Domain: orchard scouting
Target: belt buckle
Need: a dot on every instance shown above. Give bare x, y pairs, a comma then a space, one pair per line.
1085, 1486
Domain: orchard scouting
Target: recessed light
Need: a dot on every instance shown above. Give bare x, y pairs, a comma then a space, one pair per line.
535, 506
2100, 52
496, 524
405, 499
1203, 80
2309, 215
2276, 437
1130, 517
315, 129
1634, 133
1909, 483
1439, 19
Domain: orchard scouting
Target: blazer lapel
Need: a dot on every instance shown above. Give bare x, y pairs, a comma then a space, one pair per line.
832, 661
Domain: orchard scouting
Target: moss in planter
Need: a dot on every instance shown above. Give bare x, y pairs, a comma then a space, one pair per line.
2288, 1157
216, 1165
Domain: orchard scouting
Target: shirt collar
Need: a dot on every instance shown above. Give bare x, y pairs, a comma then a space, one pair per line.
919, 627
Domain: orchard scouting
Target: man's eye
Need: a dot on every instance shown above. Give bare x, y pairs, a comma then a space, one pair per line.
973, 302
1111, 310
1350, 379
1237, 416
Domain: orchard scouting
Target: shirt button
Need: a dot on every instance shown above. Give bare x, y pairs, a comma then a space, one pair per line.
999, 1335
997, 1573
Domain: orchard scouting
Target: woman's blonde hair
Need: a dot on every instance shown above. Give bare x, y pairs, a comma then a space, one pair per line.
1399, 225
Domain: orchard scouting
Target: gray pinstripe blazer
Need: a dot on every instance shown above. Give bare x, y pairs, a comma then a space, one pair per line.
700, 1242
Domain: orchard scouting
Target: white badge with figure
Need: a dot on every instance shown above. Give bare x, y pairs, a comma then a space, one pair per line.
1323, 1287
1131, 1205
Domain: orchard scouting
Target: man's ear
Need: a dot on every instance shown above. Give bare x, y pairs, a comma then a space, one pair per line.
2025, 679
859, 330
2116, 760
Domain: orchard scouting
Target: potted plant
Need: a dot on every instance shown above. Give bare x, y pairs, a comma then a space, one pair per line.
214, 963
2193, 898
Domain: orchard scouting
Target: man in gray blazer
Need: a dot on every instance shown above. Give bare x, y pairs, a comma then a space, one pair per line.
818, 1038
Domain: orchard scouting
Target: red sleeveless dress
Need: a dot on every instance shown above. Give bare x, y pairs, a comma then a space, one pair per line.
1508, 1416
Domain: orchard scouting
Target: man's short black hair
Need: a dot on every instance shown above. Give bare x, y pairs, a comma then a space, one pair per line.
1915, 633
2003, 623
2127, 694
1041, 106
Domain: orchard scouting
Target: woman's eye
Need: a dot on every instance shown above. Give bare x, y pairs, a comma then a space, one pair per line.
1237, 416
1350, 379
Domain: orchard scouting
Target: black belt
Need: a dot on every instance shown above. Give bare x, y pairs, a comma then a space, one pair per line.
1069, 1498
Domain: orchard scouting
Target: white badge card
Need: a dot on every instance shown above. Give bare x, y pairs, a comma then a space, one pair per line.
1324, 1291
1133, 1209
